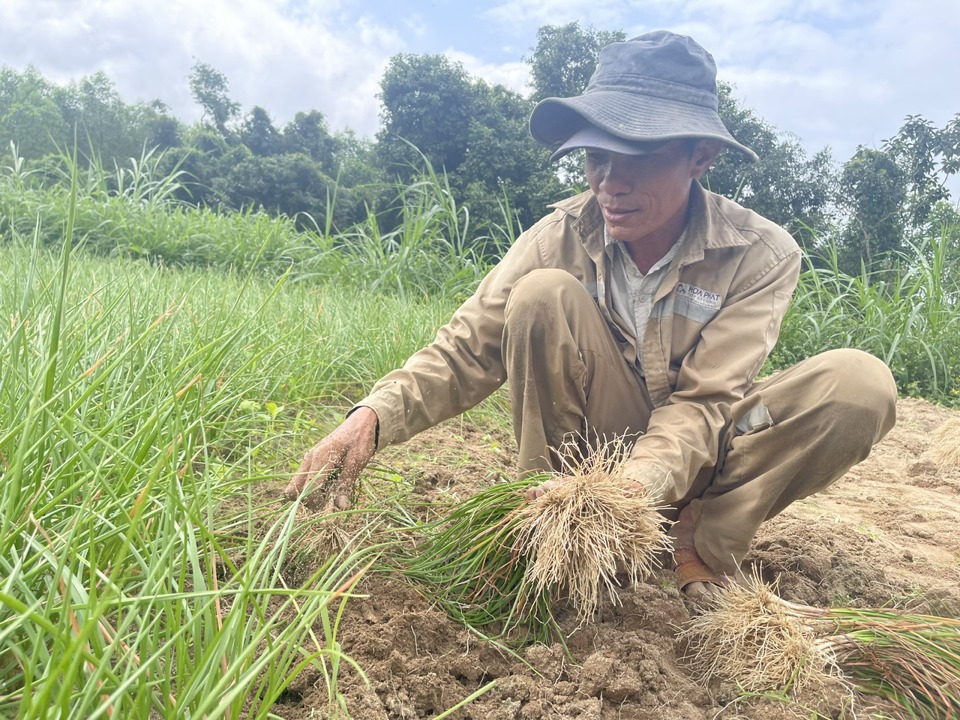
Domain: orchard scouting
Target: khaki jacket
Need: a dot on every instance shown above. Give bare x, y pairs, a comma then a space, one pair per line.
715, 319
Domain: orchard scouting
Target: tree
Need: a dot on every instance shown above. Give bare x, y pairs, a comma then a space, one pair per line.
565, 57
361, 184
101, 118
308, 133
287, 184
894, 198
928, 156
29, 114
784, 185
210, 89
162, 130
259, 134
504, 167
873, 190
428, 101
476, 133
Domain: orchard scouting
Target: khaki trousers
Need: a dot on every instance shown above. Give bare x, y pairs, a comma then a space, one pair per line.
567, 375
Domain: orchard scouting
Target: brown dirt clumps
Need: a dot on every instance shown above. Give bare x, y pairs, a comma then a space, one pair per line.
884, 535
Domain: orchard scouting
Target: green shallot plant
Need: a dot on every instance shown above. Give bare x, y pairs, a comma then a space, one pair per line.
499, 558
466, 562
754, 638
127, 588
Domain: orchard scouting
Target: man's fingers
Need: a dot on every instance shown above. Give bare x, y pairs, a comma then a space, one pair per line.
543, 488
343, 455
533, 493
316, 465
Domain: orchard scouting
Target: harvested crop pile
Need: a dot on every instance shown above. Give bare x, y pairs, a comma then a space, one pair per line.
885, 535
763, 643
499, 560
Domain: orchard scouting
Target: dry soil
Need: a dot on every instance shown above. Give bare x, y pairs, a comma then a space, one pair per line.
886, 535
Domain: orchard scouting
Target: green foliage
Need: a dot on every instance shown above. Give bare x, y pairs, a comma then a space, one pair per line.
909, 659
128, 588
467, 563
927, 155
279, 184
428, 104
565, 57
93, 107
134, 212
426, 253
906, 316
258, 133
910, 319
893, 196
474, 133
40, 118
504, 164
784, 185
308, 133
211, 90
873, 192
29, 114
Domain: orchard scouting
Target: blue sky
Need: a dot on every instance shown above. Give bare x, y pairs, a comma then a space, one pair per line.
833, 72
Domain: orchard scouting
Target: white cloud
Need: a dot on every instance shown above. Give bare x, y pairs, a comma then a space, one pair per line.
313, 58
512, 75
513, 15
838, 73
840, 77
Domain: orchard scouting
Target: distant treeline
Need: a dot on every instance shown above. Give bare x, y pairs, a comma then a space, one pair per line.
870, 209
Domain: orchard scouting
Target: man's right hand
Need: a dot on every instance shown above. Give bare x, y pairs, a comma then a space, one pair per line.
343, 454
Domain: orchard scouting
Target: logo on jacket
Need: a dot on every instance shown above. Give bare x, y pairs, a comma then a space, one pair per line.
695, 303
699, 296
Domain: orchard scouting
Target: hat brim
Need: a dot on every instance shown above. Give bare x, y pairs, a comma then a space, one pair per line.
630, 117
593, 138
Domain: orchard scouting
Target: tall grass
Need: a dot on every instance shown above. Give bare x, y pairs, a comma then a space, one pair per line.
910, 319
129, 588
907, 317
426, 254
131, 212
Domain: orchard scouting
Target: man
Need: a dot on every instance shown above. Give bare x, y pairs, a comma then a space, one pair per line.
643, 308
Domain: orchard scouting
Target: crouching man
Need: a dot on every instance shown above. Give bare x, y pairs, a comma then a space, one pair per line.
642, 308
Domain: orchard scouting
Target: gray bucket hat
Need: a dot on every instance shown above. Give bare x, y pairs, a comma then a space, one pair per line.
655, 87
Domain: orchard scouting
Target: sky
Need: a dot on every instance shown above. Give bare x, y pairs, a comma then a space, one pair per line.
837, 73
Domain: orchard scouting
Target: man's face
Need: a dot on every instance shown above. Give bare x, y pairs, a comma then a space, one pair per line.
644, 197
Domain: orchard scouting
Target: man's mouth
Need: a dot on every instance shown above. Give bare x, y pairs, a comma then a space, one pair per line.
617, 214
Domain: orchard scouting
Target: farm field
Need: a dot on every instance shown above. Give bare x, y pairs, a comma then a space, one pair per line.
151, 411
885, 535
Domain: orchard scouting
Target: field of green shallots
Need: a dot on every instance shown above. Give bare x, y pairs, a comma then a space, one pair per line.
162, 370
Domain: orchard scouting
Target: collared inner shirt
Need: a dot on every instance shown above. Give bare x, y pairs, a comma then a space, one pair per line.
631, 291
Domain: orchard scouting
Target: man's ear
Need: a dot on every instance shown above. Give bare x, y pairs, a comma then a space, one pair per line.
704, 153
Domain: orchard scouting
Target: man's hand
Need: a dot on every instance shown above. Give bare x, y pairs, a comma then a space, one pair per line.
343, 454
656, 479
543, 488
645, 477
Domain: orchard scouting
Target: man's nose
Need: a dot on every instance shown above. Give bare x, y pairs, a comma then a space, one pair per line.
615, 181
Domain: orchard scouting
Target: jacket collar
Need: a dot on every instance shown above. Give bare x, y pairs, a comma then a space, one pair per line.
708, 228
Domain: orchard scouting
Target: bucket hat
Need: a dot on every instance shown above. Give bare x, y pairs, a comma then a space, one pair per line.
655, 87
